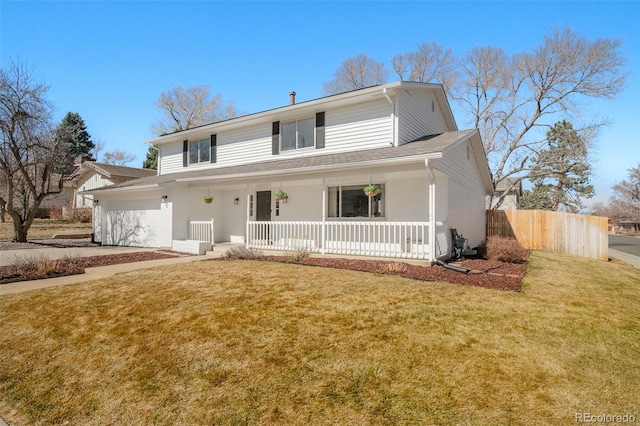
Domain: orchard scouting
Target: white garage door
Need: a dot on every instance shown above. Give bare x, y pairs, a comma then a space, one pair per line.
136, 223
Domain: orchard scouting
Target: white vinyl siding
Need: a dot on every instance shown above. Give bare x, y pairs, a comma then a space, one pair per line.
92, 181
466, 193
171, 158
359, 127
351, 128
416, 117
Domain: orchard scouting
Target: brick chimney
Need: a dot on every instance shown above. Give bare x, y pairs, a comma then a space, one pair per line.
292, 98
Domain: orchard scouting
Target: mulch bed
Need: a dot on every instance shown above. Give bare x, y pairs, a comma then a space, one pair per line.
484, 273
11, 273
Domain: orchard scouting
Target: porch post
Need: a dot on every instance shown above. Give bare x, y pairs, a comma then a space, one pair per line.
324, 215
432, 212
247, 218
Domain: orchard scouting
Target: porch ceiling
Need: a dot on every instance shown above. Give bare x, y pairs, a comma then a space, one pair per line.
412, 152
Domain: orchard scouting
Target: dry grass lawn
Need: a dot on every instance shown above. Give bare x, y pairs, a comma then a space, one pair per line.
245, 342
44, 228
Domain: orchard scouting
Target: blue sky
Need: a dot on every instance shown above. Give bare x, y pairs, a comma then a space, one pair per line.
110, 60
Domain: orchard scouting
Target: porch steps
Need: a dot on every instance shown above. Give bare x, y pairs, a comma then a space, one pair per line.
221, 248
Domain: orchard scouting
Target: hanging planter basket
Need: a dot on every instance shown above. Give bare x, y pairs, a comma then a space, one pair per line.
208, 199
281, 196
371, 190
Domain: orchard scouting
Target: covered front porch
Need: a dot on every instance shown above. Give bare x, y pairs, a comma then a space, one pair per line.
357, 238
327, 214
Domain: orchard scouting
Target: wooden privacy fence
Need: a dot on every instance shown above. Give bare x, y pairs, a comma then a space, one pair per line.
569, 233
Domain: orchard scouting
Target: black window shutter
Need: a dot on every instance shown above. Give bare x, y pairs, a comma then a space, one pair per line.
275, 138
320, 130
214, 149
185, 153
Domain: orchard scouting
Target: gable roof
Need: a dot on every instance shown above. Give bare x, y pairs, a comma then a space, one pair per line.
341, 99
111, 171
432, 146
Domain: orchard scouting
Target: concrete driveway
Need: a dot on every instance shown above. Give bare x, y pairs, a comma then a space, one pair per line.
625, 248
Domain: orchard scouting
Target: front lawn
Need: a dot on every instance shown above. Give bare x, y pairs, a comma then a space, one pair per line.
245, 342
45, 228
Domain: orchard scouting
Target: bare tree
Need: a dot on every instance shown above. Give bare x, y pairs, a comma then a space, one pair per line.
513, 101
187, 108
33, 162
356, 73
118, 157
430, 63
98, 146
626, 198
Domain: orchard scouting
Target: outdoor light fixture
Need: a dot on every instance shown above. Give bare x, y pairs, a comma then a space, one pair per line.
164, 197
236, 201
96, 201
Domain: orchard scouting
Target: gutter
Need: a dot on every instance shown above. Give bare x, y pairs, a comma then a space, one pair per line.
310, 169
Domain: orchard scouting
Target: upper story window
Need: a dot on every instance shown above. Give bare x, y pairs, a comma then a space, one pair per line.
199, 151
351, 201
298, 134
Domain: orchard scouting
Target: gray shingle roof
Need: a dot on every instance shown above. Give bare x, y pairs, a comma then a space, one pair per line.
421, 147
112, 171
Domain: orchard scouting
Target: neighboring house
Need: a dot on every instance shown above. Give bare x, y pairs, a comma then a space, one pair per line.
91, 175
322, 153
512, 191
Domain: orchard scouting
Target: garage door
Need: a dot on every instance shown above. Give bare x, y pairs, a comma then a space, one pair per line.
136, 223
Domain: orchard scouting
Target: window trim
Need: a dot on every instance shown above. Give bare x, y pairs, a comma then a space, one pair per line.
371, 214
311, 119
200, 143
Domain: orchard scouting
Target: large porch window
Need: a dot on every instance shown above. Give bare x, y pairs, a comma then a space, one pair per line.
351, 201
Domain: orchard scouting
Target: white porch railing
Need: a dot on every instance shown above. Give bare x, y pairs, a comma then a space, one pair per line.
382, 239
201, 230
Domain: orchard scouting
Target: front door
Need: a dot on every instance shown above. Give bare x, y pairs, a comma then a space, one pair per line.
263, 214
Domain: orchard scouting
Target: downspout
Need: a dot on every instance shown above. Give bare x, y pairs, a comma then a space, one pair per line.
432, 212
393, 117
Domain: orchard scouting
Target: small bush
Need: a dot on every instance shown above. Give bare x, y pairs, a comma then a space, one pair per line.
506, 250
55, 213
243, 253
36, 264
395, 267
299, 255
73, 260
82, 215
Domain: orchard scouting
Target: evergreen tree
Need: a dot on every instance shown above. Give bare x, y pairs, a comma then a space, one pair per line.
151, 162
73, 132
560, 172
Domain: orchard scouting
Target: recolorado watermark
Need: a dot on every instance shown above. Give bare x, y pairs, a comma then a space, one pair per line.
605, 418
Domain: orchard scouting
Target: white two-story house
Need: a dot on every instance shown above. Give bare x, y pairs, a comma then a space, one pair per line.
322, 153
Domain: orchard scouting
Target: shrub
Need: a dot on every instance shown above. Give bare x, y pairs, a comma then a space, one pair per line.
243, 253
506, 250
72, 260
395, 267
35, 264
299, 255
82, 215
